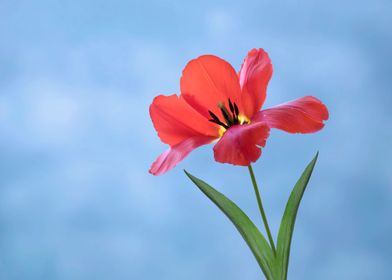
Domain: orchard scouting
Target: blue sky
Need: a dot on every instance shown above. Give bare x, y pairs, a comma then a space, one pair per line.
76, 141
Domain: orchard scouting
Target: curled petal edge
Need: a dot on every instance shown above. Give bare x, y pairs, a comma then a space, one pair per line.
303, 115
170, 158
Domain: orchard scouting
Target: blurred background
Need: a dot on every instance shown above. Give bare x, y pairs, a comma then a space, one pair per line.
76, 139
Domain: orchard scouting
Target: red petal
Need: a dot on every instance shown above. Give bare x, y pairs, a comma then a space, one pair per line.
207, 81
240, 145
303, 115
175, 120
255, 73
177, 153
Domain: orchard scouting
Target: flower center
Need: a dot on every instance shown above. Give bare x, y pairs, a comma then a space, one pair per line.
230, 118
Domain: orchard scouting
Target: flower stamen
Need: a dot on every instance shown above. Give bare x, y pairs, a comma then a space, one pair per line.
230, 119
216, 120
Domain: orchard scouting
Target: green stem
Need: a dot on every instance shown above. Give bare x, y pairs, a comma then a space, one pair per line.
264, 217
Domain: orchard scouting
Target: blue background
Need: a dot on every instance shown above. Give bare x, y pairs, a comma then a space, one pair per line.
76, 140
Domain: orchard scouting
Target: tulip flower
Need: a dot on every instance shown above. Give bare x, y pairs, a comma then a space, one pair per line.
218, 105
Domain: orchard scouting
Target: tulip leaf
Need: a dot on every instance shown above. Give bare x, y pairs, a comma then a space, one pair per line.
288, 220
250, 233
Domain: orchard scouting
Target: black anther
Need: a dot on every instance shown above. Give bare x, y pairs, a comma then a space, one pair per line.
236, 110
213, 116
231, 106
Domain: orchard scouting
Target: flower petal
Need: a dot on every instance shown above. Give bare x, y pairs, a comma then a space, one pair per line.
177, 153
255, 73
240, 145
303, 115
208, 80
175, 120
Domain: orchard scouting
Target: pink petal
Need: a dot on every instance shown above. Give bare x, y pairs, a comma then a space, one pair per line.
255, 73
303, 115
240, 145
177, 153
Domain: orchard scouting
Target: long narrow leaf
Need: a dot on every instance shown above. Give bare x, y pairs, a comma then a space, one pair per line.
252, 236
288, 220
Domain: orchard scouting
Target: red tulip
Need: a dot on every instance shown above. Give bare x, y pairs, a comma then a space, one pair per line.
216, 103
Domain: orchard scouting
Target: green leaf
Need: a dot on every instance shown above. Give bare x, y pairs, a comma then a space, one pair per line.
252, 236
288, 220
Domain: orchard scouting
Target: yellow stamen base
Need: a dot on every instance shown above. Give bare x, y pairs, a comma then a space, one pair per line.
222, 131
243, 119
